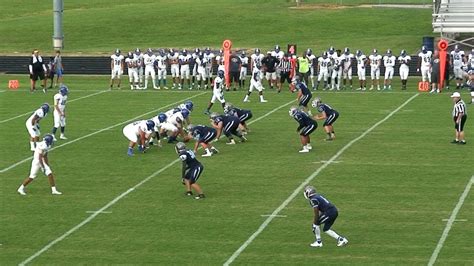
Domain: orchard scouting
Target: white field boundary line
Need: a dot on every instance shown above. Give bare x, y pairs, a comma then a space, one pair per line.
111, 203
450, 222
73, 100
307, 180
99, 131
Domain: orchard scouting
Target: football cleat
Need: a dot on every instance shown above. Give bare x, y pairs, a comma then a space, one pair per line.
188, 193
342, 242
207, 154
316, 244
56, 192
230, 142
214, 150
21, 191
304, 150
200, 196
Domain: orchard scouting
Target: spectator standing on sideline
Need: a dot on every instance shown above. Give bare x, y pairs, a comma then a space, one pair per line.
37, 70
303, 67
50, 72
234, 70
58, 68
459, 117
270, 62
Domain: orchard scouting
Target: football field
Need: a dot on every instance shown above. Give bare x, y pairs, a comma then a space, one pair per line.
402, 190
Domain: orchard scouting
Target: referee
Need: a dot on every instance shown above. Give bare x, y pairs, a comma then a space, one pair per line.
37, 69
459, 117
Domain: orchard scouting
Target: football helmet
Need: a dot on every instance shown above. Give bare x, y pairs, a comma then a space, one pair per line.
389, 52
213, 115
347, 51
293, 111
179, 147
309, 191
403, 53
374, 52
257, 51
358, 52
331, 50
207, 50
456, 48
63, 90
184, 52
227, 107
221, 52
325, 55
190, 127
189, 105
277, 48
137, 51
149, 51
171, 51
220, 74
197, 50
185, 113
161, 52
130, 55
423, 49
162, 117
316, 102
45, 108
150, 124
117, 52
242, 53
48, 139
309, 51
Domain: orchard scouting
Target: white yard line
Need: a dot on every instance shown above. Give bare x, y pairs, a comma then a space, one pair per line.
73, 100
111, 203
298, 190
450, 222
99, 131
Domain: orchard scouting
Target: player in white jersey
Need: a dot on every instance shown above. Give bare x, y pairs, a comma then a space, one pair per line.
278, 53
149, 61
256, 83
470, 60
458, 62
256, 58
200, 64
59, 112
155, 136
194, 72
32, 124
132, 71
243, 69
174, 125
173, 59
331, 55
323, 70
139, 59
424, 64
347, 58
208, 61
404, 61
138, 132
220, 61
361, 63
336, 76
116, 66
160, 63
389, 64
40, 162
375, 60
184, 61
312, 66
218, 92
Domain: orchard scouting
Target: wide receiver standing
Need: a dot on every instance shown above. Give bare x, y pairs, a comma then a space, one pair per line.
59, 112
116, 65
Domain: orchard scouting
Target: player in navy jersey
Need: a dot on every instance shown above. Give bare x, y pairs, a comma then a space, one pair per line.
203, 135
305, 128
329, 114
192, 170
242, 114
304, 94
227, 124
324, 213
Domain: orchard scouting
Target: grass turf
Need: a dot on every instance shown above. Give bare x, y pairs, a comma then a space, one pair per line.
392, 188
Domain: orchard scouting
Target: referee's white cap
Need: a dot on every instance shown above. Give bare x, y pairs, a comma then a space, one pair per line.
456, 95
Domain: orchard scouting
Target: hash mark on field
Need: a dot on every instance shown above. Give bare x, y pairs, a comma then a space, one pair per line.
108, 205
450, 222
309, 179
99, 131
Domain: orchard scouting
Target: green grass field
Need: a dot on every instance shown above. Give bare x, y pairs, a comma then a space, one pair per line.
393, 187
98, 27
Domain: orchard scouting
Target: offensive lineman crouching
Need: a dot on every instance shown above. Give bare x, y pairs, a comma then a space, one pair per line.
242, 114
305, 128
203, 135
227, 124
138, 131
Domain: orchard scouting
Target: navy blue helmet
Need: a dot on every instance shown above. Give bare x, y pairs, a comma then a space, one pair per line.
208, 50
63, 90
137, 51
220, 74
185, 113
358, 52
423, 49
309, 191
45, 107
48, 138
150, 124
331, 50
189, 105
162, 117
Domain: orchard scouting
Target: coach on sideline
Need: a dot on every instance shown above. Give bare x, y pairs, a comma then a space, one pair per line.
459, 116
37, 69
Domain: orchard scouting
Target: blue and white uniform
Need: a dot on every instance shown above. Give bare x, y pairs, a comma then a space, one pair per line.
306, 124
306, 94
230, 124
204, 134
328, 212
331, 114
34, 129
242, 114
191, 166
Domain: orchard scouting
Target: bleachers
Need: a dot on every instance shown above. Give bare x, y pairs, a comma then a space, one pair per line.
453, 17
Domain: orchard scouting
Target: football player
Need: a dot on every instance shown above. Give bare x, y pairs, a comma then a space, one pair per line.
256, 58
173, 58
174, 125
59, 112
471, 60
361, 62
337, 71
220, 61
138, 132
424, 64
389, 64
404, 60
149, 61
312, 58
331, 54
347, 58
458, 62
132, 71
375, 61
200, 65
217, 93
323, 70
194, 72
256, 83
184, 60
139, 59
243, 69
203, 135
305, 128
192, 170
328, 114
158, 120
304, 94
116, 65
324, 213
41, 162
208, 61
161, 63
242, 114
228, 125
32, 124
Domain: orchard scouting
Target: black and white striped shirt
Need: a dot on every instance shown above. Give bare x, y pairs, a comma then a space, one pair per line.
459, 107
284, 66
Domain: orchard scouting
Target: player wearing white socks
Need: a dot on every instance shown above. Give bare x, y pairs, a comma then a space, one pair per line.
458, 61
32, 124
424, 64
404, 61
139, 59
116, 65
361, 63
59, 112
149, 61
173, 58
131, 62
347, 58
161, 68
389, 64
256, 83
375, 62
184, 60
